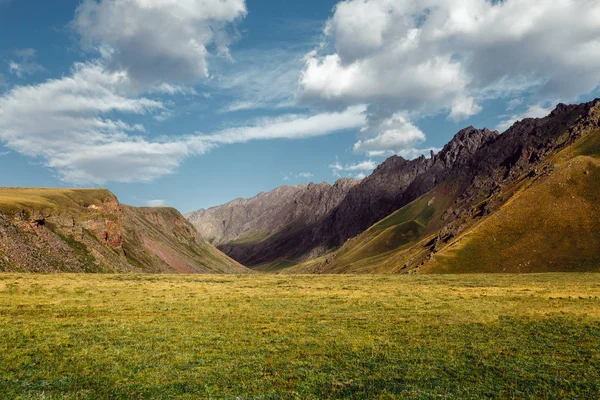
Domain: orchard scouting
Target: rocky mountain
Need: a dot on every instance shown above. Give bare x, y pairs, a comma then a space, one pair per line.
432, 201
88, 230
246, 228
525, 201
318, 230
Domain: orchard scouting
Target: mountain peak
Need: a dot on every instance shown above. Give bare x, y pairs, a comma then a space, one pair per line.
464, 144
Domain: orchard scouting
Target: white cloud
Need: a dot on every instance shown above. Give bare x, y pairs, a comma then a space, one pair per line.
156, 203
260, 79
464, 107
290, 127
360, 176
301, 175
166, 88
158, 40
74, 126
533, 111
413, 153
393, 135
361, 166
425, 57
347, 170
25, 64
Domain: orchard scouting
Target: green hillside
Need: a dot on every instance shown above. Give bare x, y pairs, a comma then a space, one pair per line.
384, 246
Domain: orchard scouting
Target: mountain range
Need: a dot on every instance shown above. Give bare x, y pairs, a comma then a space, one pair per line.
525, 200
521, 201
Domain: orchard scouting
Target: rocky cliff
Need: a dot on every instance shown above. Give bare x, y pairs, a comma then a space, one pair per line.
319, 229
79, 230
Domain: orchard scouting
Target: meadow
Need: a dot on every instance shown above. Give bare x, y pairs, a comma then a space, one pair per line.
307, 337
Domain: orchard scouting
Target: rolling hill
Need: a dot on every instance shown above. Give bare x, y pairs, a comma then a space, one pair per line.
88, 230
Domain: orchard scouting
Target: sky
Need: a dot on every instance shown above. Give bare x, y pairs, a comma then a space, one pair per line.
192, 103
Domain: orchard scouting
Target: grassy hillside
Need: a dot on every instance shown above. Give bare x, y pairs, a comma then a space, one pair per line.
545, 220
88, 230
287, 337
550, 224
377, 250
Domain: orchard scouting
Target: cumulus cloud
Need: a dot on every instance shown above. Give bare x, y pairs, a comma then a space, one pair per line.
70, 123
392, 135
426, 57
361, 166
158, 40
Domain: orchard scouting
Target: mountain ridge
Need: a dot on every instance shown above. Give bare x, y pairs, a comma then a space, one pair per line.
474, 161
540, 166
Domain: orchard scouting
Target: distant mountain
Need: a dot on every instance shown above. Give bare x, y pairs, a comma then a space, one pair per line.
88, 230
436, 203
246, 229
527, 201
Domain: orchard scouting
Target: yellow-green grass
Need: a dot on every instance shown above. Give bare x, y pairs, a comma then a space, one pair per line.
42, 199
552, 224
280, 337
275, 266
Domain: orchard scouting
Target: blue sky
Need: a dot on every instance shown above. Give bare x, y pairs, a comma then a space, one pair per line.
192, 103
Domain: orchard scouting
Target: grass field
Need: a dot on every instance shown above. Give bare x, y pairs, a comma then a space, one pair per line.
271, 337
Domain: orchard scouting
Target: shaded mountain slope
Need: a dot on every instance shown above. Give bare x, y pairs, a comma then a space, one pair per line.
526, 201
88, 230
250, 230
